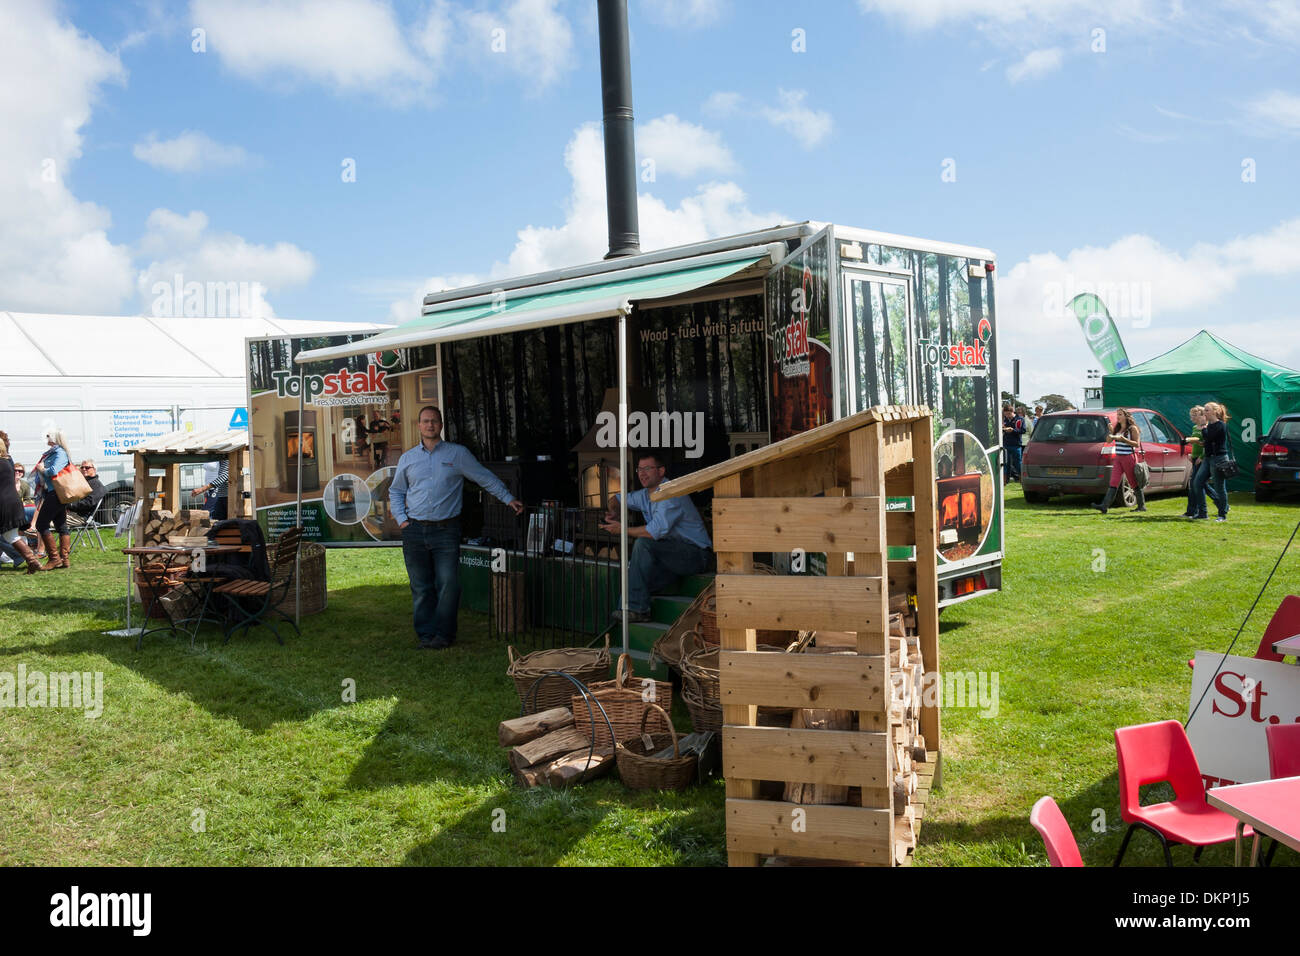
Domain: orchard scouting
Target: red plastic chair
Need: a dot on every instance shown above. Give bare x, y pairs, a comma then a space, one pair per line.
1161, 753
1283, 760
1047, 819
1284, 623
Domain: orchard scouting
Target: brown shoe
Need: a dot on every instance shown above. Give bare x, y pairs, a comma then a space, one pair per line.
26, 553
65, 550
51, 552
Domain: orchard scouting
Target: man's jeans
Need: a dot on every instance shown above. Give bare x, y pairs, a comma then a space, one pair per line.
1011, 458
656, 566
432, 558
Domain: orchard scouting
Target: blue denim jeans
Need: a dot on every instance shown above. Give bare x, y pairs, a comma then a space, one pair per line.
1012, 456
657, 564
432, 557
1196, 489
1217, 488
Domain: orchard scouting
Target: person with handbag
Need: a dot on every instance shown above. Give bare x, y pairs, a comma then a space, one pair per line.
1218, 452
11, 515
1200, 475
52, 512
1128, 445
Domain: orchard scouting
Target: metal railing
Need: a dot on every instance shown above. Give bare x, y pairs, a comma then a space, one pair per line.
554, 577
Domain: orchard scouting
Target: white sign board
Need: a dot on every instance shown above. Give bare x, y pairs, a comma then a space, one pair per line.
128, 428
1246, 695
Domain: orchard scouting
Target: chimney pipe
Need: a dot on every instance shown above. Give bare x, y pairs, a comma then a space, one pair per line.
620, 145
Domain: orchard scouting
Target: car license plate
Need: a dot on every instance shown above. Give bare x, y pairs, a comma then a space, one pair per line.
1066, 472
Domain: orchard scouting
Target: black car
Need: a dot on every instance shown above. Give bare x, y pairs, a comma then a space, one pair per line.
1278, 469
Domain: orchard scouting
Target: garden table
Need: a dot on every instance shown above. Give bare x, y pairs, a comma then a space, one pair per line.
1271, 807
173, 558
1288, 646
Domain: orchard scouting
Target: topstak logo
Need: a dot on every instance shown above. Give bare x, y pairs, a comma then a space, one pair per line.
343, 382
970, 357
103, 909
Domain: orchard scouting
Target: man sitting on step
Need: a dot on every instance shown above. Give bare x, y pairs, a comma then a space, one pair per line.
672, 544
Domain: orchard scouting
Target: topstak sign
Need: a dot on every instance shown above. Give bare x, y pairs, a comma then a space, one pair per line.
343, 387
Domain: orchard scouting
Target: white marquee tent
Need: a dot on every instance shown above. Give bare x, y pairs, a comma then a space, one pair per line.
111, 382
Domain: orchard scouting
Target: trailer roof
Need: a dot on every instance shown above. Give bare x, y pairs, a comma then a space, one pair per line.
137, 346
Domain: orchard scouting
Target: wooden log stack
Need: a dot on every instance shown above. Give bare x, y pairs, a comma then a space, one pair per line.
191, 523
548, 750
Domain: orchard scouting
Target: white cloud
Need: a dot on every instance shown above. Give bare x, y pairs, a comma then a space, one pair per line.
365, 47
722, 103
55, 254
1031, 15
1157, 295
184, 247
190, 152
1276, 110
808, 126
350, 46
1036, 64
715, 209
679, 148
690, 14
536, 45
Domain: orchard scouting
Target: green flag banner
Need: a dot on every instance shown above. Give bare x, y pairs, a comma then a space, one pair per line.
1099, 329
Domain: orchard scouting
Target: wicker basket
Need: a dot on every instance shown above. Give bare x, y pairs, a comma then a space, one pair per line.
156, 580
586, 664
311, 574
700, 674
641, 770
672, 648
704, 715
624, 704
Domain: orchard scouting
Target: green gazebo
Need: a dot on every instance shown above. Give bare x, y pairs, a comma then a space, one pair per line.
1207, 369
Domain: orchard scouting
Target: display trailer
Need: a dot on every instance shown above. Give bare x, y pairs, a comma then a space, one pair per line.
731, 344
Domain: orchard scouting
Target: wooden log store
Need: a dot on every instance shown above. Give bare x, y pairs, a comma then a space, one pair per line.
162, 493
858, 766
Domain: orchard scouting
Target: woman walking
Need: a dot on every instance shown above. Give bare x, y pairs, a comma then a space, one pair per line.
11, 512
1196, 484
1216, 443
1127, 440
52, 512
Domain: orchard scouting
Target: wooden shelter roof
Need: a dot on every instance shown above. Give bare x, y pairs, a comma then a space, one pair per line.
213, 442
804, 443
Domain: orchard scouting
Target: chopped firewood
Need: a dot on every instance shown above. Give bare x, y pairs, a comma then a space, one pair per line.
579, 766
520, 730
548, 747
529, 777
819, 793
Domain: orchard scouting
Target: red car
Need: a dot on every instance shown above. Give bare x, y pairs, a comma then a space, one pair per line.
1068, 455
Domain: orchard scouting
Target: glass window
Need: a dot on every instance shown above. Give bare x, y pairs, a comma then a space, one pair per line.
1066, 429
1163, 431
879, 330
1144, 427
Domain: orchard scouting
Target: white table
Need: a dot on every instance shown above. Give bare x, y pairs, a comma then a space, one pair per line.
1288, 646
1271, 807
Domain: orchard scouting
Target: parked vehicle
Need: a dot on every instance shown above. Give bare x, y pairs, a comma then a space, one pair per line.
1069, 455
1277, 471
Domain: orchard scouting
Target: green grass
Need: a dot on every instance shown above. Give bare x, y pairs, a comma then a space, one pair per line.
258, 738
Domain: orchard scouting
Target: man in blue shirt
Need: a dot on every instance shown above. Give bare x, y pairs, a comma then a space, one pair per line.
425, 499
673, 543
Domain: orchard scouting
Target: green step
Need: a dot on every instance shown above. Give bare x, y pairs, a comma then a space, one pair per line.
691, 585
667, 608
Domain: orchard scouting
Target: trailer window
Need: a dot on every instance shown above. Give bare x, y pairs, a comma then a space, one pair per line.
878, 326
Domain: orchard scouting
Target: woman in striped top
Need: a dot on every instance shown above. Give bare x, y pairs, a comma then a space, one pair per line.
1127, 440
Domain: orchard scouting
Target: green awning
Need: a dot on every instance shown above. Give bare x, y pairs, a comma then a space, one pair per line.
518, 310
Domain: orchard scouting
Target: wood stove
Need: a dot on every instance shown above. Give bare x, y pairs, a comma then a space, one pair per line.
307, 435
960, 507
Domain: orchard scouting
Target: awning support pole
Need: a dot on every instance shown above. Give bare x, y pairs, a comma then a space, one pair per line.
622, 469
297, 560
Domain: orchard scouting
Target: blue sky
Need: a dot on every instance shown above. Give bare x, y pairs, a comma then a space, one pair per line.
1079, 157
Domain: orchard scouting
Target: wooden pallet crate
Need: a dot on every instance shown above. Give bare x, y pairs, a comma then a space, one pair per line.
826, 490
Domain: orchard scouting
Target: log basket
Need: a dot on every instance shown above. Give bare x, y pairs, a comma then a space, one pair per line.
587, 664
624, 705
641, 770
